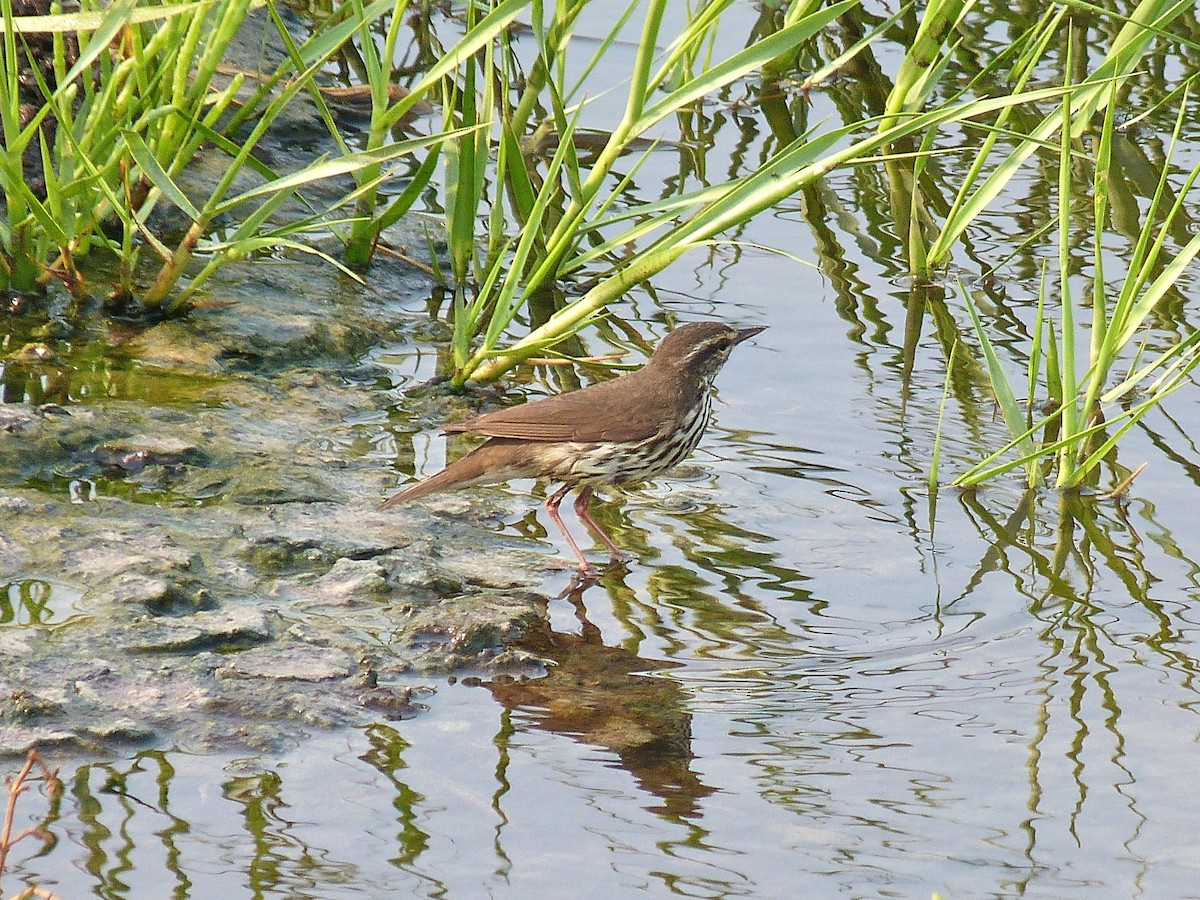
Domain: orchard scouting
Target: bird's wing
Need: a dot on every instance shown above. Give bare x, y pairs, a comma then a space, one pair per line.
600, 412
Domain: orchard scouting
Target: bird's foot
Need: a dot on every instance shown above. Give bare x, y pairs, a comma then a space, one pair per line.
581, 580
618, 561
586, 575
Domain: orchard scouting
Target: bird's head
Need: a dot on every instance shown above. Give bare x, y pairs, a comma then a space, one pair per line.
700, 348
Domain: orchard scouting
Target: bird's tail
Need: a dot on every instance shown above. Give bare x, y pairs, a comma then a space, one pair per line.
484, 465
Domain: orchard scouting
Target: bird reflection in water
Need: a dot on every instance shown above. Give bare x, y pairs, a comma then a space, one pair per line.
599, 695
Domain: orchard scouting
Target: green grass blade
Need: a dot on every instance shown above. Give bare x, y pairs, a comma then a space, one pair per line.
158, 175
1010, 409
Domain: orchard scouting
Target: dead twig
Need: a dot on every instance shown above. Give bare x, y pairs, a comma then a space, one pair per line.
1118, 493
17, 786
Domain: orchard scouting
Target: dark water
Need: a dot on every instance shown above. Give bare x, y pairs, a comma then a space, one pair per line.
816, 678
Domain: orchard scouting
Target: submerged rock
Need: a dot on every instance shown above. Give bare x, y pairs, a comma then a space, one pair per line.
175, 345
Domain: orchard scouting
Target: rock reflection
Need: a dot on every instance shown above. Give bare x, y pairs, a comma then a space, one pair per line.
600, 695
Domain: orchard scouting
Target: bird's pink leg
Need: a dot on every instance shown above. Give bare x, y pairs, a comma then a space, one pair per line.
581, 509
552, 503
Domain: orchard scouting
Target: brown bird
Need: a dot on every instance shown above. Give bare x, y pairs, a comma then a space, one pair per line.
630, 429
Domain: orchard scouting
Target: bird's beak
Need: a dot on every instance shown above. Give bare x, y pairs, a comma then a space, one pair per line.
744, 333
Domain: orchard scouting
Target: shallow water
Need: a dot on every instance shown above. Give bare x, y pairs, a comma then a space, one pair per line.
816, 677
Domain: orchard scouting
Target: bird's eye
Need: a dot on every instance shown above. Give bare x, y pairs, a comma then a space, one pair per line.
724, 344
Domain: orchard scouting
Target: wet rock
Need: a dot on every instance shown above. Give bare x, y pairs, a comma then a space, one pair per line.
129, 588
261, 484
279, 341
34, 353
13, 557
314, 538
113, 551
15, 419
25, 705
273, 554
349, 580
298, 327
120, 698
160, 483
353, 578
290, 664
174, 345
141, 567
401, 590
219, 630
122, 731
135, 452
200, 485
42, 441
515, 569
393, 702
17, 741
15, 644
471, 630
